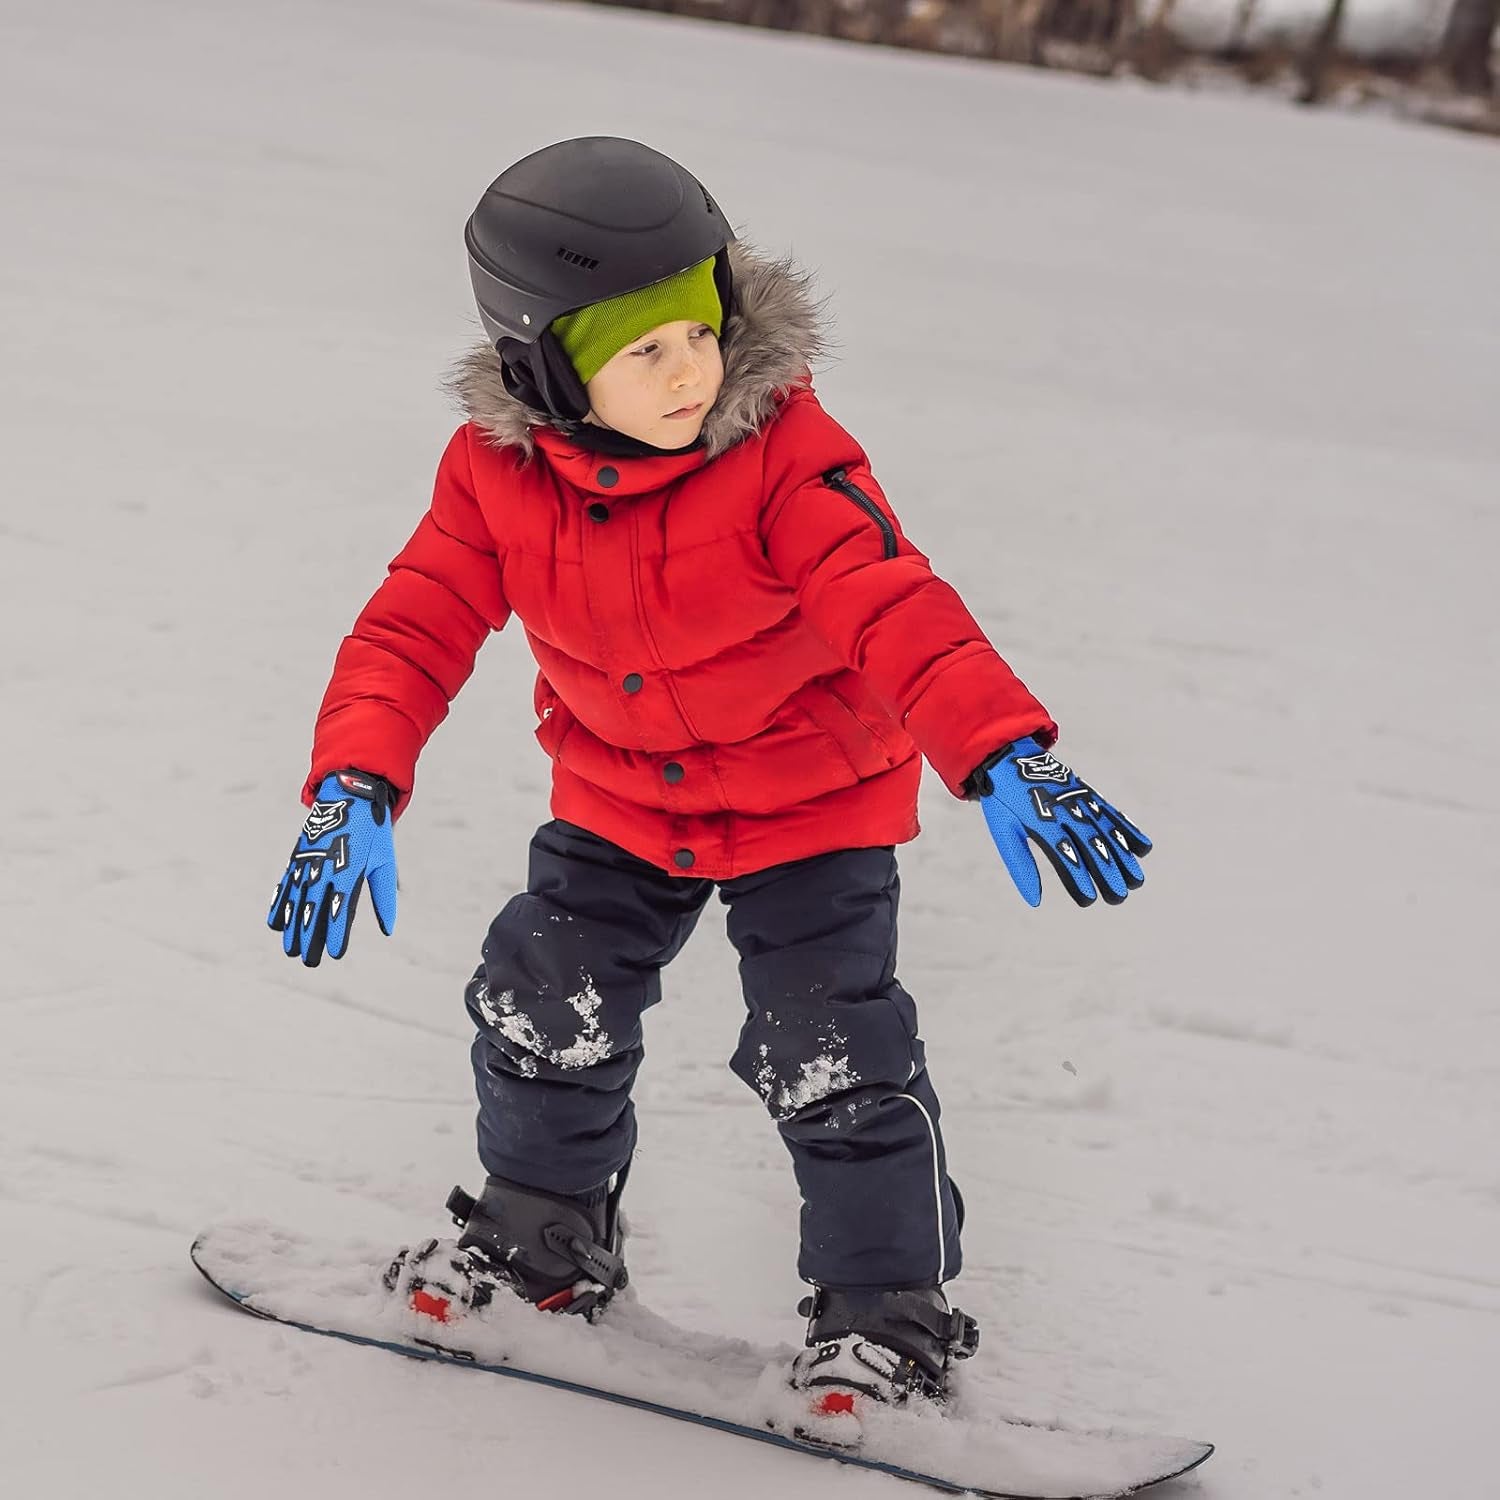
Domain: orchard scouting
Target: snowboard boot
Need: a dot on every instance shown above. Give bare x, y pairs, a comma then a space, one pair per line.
880, 1346
560, 1252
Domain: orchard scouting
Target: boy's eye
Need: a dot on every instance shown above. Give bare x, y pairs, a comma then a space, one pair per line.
699, 332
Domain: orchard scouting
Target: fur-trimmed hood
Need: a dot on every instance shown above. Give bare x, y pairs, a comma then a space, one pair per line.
774, 333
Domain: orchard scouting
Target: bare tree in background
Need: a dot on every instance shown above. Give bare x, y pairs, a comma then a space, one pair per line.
1468, 42
1104, 36
1154, 42
1239, 38
1315, 61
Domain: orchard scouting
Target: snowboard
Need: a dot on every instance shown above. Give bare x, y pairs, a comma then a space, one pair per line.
636, 1358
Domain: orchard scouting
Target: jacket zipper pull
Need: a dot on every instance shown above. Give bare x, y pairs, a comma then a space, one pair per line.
838, 479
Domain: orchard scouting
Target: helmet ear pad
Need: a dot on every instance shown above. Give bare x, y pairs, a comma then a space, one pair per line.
540, 375
724, 285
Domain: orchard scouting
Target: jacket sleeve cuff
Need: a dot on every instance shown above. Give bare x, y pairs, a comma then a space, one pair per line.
971, 711
373, 737
978, 784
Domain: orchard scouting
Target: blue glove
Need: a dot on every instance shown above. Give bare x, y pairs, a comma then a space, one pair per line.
345, 843
1027, 793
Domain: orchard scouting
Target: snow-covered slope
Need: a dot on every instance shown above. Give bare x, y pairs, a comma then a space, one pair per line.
1193, 398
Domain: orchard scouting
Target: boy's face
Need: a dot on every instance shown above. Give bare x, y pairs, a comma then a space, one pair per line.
660, 388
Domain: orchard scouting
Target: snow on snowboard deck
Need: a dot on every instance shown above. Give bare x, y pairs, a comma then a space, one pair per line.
635, 1358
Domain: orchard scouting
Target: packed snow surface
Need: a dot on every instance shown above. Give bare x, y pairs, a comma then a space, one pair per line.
357, 1289
1193, 398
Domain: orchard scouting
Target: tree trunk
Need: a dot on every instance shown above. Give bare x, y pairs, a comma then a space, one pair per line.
1239, 38
1315, 64
1468, 42
1127, 31
1154, 43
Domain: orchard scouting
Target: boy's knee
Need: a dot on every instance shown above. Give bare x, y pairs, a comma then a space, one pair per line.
808, 1061
565, 1029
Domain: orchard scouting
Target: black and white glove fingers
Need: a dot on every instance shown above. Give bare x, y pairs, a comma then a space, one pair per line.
1061, 846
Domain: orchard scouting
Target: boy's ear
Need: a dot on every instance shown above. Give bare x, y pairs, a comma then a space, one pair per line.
540, 375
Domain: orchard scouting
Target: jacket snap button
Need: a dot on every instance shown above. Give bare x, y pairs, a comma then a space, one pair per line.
608, 477
683, 859
672, 772
633, 683
598, 512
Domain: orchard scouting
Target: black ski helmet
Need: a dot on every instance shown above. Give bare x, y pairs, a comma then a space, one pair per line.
582, 221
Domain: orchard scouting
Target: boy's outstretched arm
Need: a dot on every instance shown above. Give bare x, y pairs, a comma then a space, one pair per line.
413, 646
867, 591
874, 598
411, 650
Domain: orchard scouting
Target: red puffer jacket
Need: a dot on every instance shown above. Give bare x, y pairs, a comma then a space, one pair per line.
741, 654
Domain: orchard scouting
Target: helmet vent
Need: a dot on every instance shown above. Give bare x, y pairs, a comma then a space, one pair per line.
573, 258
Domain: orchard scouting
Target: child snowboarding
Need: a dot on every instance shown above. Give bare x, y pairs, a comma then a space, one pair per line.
742, 661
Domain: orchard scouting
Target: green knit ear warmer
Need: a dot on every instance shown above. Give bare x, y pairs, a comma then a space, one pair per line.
593, 335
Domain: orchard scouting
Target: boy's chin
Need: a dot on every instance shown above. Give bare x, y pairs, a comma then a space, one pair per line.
663, 434
670, 435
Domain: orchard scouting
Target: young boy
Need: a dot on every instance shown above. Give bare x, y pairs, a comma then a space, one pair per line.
742, 660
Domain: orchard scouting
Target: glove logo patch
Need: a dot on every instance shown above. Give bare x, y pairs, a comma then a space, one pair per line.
324, 817
1044, 767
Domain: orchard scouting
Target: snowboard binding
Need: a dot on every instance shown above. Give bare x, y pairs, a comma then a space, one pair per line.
885, 1346
559, 1252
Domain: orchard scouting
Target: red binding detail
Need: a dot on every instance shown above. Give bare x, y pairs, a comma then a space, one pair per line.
557, 1301
834, 1404
429, 1306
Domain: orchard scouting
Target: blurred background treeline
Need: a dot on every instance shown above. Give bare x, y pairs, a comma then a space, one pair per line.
1431, 58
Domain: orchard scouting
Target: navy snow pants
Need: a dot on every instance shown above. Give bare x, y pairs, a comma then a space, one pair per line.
829, 1041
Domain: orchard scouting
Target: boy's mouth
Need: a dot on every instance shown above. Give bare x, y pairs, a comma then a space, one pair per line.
684, 411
